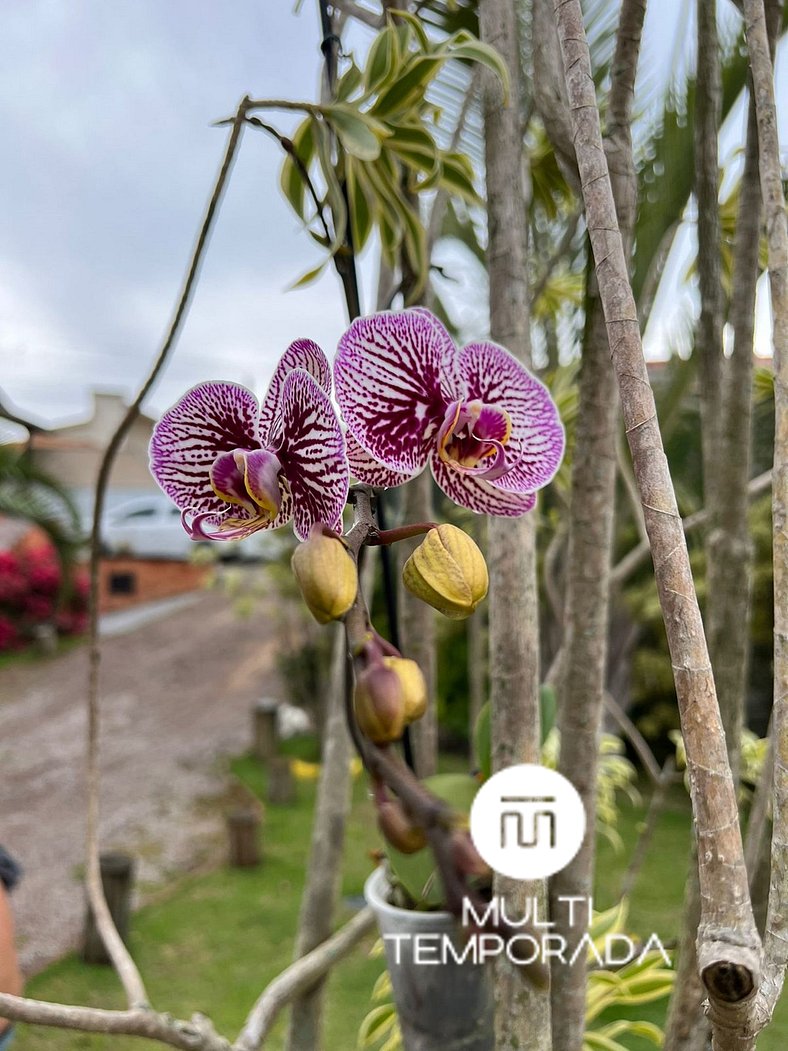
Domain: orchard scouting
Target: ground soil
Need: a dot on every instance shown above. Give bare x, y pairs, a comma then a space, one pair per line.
176, 698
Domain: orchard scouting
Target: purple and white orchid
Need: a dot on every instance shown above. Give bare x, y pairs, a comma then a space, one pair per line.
489, 429
234, 466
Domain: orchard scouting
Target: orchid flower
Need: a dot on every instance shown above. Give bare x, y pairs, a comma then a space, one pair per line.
234, 466
489, 429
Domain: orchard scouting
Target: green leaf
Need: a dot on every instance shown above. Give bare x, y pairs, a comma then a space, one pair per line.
415, 24
414, 145
382, 988
291, 179
408, 88
361, 214
334, 196
465, 46
418, 253
394, 1042
349, 83
457, 177
379, 193
376, 1025
598, 1042
382, 60
359, 133
309, 276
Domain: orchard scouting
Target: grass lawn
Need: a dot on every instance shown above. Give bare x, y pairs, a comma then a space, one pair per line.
217, 939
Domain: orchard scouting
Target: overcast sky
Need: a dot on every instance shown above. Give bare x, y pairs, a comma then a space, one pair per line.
109, 156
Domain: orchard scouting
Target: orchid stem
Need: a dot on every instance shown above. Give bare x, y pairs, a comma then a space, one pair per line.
393, 536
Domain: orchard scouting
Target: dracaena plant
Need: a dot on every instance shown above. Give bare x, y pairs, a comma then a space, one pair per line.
391, 148
492, 436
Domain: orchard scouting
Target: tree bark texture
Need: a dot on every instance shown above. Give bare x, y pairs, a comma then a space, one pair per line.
477, 641
418, 630
522, 1012
728, 946
708, 335
761, 65
592, 519
725, 400
324, 874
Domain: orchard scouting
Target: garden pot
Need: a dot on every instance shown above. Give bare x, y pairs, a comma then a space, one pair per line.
445, 1006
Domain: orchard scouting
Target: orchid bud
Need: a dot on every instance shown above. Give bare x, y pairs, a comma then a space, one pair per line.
397, 829
447, 571
326, 575
414, 688
379, 704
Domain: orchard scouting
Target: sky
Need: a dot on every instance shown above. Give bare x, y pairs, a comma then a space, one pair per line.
109, 158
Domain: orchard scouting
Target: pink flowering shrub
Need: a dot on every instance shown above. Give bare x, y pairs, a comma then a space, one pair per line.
30, 595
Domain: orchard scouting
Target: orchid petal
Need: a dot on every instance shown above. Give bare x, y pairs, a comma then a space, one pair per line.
477, 494
536, 444
365, 469
210, 419
301, 354
395, 374
312, 454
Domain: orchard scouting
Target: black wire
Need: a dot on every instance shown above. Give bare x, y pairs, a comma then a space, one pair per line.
346, 266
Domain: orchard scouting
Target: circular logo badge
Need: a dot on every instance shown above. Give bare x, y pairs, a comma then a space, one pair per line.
527, 822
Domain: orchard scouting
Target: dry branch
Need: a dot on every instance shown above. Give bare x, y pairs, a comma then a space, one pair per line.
120, 956
728, 942
298, 978
197, 1035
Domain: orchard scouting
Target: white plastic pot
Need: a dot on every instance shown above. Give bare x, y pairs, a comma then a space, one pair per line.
446, 1006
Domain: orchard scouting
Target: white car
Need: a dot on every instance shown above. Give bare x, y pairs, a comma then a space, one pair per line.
150, 527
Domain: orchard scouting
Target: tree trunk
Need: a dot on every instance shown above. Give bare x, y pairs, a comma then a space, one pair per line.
324, 873
728, 944
590, 546
476, 627
522, 1012
418, 630
688, 1028
761, 64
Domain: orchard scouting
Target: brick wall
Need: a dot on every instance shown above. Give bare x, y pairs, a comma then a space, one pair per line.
127, 582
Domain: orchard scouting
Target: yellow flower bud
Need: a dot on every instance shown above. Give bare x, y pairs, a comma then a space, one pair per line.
395, 826
414, 688
327, 576
379, 704
447, 570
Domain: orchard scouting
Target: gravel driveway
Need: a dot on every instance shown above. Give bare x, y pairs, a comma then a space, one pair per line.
176, 698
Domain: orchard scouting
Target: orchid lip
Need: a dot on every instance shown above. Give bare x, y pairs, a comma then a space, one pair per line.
472, 437
249, 478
